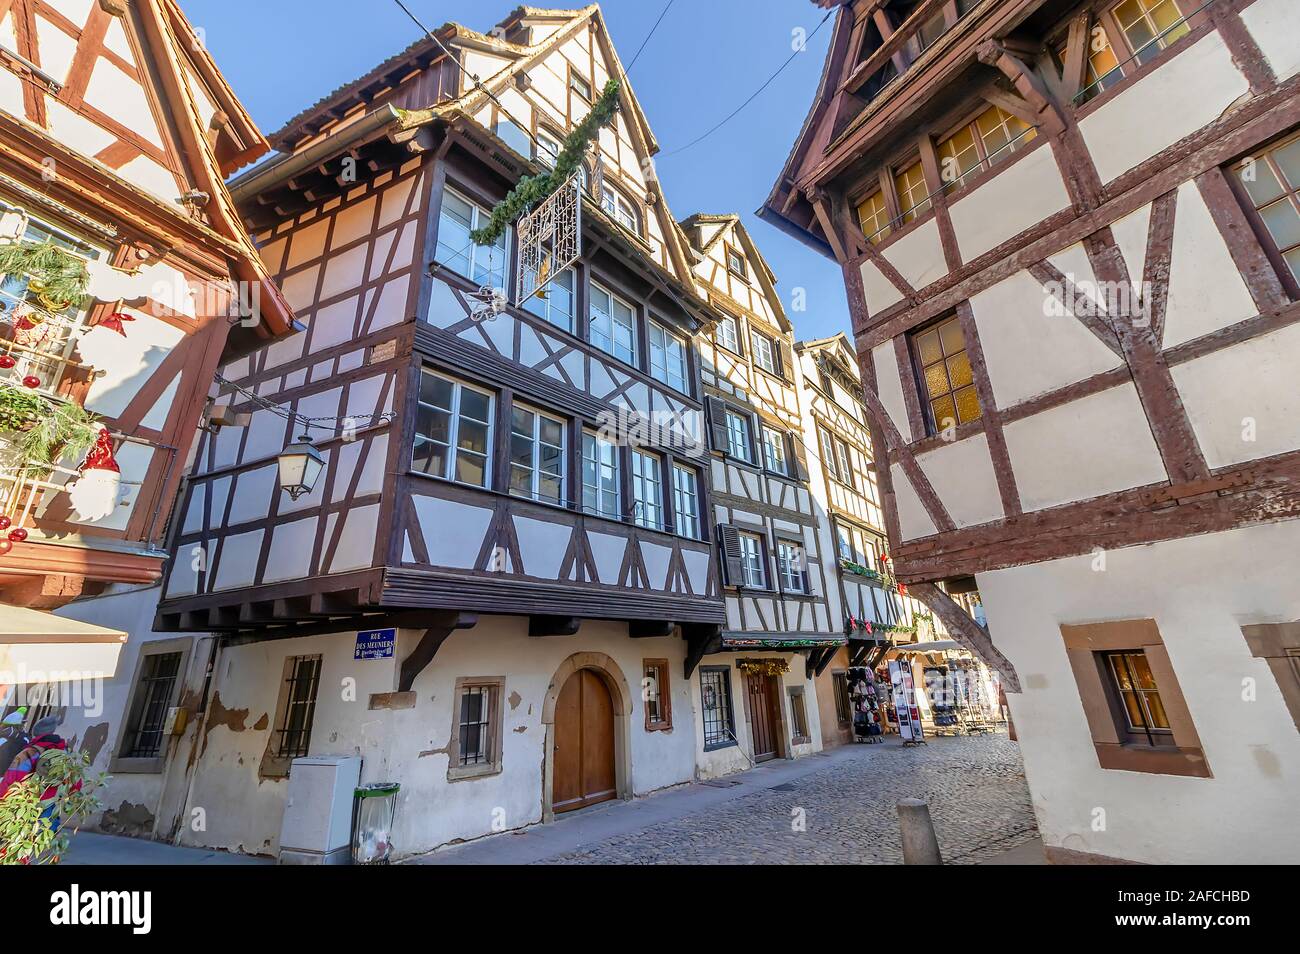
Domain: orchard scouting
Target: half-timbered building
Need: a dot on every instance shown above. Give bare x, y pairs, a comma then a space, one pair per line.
116, 133
862, 595
773, 569
497, 589
1068, 235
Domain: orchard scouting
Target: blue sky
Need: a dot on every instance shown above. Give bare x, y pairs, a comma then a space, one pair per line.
706, 57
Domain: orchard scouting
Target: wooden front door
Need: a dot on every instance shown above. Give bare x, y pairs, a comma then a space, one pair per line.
762, 716
584, 744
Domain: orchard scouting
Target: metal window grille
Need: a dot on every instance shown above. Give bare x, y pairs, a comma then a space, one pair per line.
653, 680
294, 733
843, 709
715, 690
798, 713
475, 732
153, 695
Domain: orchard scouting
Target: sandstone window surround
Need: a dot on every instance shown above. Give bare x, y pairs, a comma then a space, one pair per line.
1279, 645
1088, 647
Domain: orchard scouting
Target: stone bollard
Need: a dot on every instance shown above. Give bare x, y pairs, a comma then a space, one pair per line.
920, 844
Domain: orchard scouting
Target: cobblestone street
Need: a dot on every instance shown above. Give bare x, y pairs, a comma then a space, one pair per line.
845, 799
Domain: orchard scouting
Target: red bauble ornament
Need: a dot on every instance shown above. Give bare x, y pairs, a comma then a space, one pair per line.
5, 547
7, 361
31, 381
5, 522
17, 534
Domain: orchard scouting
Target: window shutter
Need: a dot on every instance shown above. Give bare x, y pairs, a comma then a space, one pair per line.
787, 360
717, 423
799, 455
733, 573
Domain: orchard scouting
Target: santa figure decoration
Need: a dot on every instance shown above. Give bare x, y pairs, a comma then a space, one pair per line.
94, 493
104, 345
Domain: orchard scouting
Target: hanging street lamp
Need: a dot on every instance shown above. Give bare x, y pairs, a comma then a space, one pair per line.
300, 466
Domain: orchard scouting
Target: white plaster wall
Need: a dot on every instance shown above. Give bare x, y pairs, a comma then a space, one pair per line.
1206, 292
1276, 28
1093, 446
878, 290
1016, 198
1192, 89
1246, 812
918, 255
962, 475
411, 746
913, 519
1243, 401
889, 385
1029, 351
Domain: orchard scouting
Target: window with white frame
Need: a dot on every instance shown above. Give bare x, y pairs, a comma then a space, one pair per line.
736, 262
844, 543
647, 491
686, 501
536, 455
453, 430
611, 325
482, 264
547, 149
790, 564
751, 561
620, 209
738, 436
774, 458
728, 335
667, 357
556, 302
764, 351
600, 492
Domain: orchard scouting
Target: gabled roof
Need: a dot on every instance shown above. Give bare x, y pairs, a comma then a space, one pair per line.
730, 222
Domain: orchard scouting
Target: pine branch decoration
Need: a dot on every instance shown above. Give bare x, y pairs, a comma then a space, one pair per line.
58, 277
532, 190
45, 431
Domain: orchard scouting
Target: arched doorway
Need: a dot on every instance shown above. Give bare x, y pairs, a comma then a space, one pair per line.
584, 743
587, 714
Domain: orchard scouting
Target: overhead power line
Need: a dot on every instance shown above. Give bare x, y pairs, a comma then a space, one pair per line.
766, 83
635, 55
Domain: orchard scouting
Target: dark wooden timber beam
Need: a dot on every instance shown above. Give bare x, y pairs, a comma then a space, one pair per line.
963, 628
700, 641
647, 628
827, 655
430, 643
553, 625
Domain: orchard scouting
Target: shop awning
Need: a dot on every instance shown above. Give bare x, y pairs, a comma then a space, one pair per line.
938, 646
36, 647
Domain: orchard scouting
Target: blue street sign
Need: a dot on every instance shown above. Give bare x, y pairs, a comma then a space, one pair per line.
375, 644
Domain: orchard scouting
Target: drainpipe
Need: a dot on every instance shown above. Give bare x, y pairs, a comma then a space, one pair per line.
214, 659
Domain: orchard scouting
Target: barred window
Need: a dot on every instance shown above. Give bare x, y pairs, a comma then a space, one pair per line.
715, 696
153, 695
477, 728
654, 690
298, 692
843, 707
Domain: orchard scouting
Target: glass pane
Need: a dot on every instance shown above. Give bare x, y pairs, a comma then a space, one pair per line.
959, 370
1260, 182
1137, 663
1159, 719
548, 488
927, 345
551, 432
1288, 158
1293, 259
472, 436
521, 421
521, 480
521, 450
1133, 707
471, 468
430, 458
968, 405
433, 424
950, 335
473, 404
1283, 222
1121, 673
945, 412
936, 381
435, 390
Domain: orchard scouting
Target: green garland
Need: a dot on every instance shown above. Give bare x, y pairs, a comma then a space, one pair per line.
532, 190
45, 431
57, 276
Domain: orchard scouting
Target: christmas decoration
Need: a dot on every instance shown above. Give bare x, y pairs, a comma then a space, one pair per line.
42, 429
31, 381
17, 534
5, 547
7, 361
534, 189
104, 345
56, 276
94, 493
5, 522
763, 667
